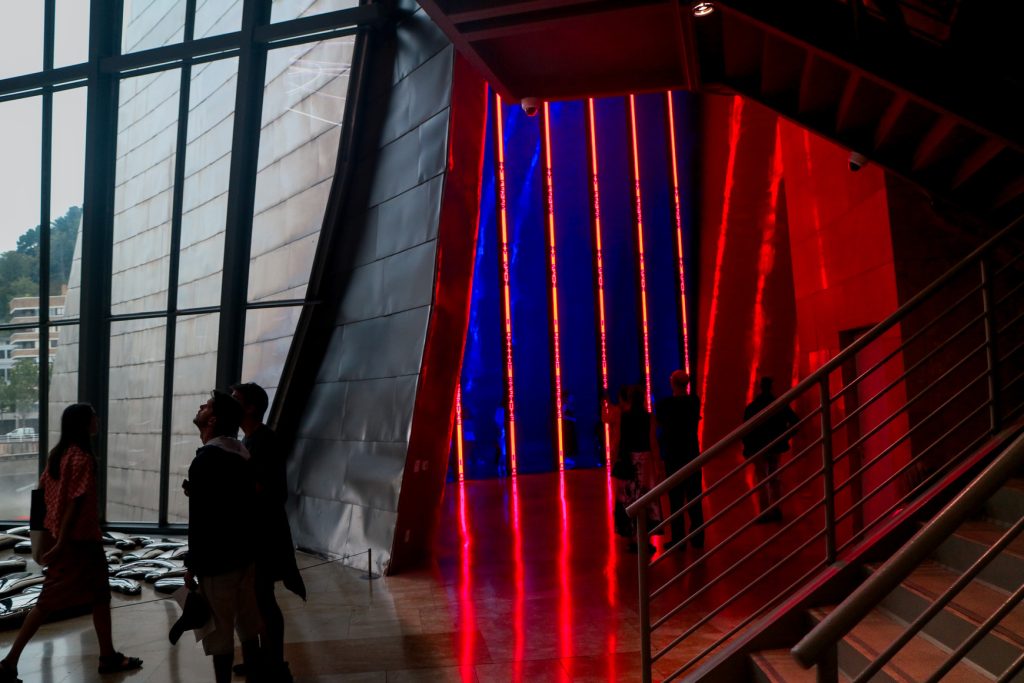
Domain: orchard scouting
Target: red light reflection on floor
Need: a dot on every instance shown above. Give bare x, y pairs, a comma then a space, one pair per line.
735, 117
565, 631
519, 578
467, 614
765, 262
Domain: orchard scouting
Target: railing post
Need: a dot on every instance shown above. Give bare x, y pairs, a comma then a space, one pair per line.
828, 665
991, 357
826, 469
643, 564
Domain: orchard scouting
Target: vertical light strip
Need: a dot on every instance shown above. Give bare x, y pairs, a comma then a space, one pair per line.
595, 196
640, 248
553, 284
458, 432
679, 231
735, 118
765, 263
510, 391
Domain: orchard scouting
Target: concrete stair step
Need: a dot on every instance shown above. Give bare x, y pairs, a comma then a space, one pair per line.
971, 540
915, 662
1006, 506
778, 666
954, 624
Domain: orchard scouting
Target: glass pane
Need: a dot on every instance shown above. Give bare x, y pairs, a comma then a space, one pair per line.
207, 167
195, 364
152, 23
303, 107
147, 130
21, 38
268, 336
71, 32
214, 17
63, 377
21, 143
282, 10
133, 419
19, 420
67, 181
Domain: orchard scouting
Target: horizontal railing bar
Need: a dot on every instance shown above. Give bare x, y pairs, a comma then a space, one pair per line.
907, 371
743, 624
1013, 321
736, 470
813, 379
888, 449
921, 394
1015, 668
911, 339
920, 456
1013, 381
979, 633
1011, 352
853, 609
1006, 295
939, 603
721, 575
719, 608
1009, 264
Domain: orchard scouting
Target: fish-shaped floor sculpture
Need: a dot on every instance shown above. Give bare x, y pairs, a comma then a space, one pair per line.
157, 574
125, 586
165, 545
17, 582
15, 564
18, 531
23, 547
169, 585
8, 541
14, 609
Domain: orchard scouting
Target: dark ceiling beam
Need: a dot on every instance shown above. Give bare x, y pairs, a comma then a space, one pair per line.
510, 8
977, 161
462, 44
545, 20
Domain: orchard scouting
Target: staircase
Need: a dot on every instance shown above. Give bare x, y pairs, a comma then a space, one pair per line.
979, 599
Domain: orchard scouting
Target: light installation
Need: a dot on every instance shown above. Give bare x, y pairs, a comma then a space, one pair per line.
506, 295
677, 206
638, 207
549, 197
595, 198
459, 458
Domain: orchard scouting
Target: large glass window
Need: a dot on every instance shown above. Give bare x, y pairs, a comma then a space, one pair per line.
157, 227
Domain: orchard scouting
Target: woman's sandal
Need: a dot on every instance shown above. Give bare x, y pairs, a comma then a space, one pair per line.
8, 674
118, 662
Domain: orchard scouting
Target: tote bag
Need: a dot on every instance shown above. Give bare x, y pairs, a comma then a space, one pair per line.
42, 540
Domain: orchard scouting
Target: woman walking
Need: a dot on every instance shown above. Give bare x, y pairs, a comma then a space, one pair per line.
637, 468
76, 573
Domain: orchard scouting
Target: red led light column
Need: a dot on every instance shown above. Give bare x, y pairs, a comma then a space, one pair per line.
640, 247
506, 296
549, 195
595, 200
679, 231
458, 431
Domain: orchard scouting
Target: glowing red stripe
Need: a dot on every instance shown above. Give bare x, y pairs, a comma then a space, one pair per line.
730, 169
595, 189
815, 213
467, 613
506, 293
640, 248
679, 232
555, 335
458, 430
765, 262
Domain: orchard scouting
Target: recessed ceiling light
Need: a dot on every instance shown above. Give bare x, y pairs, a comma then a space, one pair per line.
702, 9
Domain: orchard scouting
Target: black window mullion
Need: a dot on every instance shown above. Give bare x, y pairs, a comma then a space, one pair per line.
252, 64
46, 164
97, 221
170, 336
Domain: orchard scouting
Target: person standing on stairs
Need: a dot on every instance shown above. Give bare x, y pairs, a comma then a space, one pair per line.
764, 445
678, 416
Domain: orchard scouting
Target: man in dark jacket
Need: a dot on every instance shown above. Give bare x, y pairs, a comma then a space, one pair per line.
764, 445
678, 417
221, 492
277, 561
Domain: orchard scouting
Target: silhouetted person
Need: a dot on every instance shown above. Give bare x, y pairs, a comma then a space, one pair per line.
76, 566
611, 415
678, 417
221, 490
764, 445
275, 561
635, 466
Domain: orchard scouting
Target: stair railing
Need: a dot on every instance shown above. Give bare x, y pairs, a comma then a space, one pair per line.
882, 423
818, 648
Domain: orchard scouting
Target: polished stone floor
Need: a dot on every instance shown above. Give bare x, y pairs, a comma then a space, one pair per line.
529, 583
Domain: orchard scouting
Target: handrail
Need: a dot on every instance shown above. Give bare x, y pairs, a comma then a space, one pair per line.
851, 611
817, 376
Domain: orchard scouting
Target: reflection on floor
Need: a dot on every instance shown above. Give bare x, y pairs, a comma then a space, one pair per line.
529, 584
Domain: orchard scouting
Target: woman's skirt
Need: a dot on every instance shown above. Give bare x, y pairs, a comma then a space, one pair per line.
77, 577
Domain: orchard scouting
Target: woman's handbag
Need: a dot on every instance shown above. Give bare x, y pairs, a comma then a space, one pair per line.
42, 539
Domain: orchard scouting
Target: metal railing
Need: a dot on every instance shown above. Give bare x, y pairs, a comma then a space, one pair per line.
819, 646
883, 422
